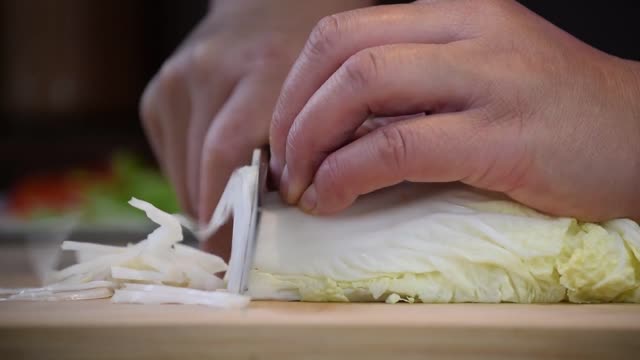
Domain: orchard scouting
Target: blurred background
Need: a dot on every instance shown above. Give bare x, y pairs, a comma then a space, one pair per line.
72, 150
72, 71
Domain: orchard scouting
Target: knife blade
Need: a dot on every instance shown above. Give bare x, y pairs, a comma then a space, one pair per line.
238, 280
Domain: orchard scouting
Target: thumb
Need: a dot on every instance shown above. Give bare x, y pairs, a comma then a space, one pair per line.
437, 148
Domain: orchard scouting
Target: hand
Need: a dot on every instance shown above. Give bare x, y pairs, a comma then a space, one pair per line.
509, 103
211, 103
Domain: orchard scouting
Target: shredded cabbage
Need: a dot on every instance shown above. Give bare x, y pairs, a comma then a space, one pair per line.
86, 294
157, 261
162, 294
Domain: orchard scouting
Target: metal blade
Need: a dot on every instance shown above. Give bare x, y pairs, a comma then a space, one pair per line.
260, 160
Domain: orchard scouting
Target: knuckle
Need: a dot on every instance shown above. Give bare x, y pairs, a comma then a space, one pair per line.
332, 183
225, 148
284, 111
272, 51
300, 147
291, 146
171, 73
362, 68
217, 149
329, 173
146, 108
216, 155
323, 35
166, 79
278, 119
392, 148
201, 60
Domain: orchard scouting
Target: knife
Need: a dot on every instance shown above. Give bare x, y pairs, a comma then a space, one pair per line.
244, 247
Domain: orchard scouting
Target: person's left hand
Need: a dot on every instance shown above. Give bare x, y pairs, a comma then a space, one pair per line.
210, 105
509, 103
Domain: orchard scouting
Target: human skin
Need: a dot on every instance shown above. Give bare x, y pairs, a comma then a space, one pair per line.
211, 103
507, 101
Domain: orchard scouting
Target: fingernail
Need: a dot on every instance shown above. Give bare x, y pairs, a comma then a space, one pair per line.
290, 188
294, 192
309, 199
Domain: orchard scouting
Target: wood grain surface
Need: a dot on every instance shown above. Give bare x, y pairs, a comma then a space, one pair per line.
97, 329
271, 330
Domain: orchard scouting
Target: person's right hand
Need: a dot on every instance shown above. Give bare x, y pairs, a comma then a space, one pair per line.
211, 103
507, 101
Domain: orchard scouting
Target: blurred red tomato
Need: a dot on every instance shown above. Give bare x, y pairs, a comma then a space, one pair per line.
53, 192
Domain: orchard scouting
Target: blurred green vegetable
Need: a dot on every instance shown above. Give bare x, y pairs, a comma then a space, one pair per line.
130, 178
96, 196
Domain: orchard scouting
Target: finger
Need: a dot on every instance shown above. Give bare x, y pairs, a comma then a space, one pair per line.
392, 79
174, 147
240, 127
170, 105
210, 87
338, 37
437, 148
150, 118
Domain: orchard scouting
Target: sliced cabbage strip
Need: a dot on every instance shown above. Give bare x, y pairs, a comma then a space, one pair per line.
162, 294
153, 263
158, 259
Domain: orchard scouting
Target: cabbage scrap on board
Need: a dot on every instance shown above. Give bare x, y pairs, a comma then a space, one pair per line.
155, 270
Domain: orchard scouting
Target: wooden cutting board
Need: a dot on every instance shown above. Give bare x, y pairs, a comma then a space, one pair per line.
98, 329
